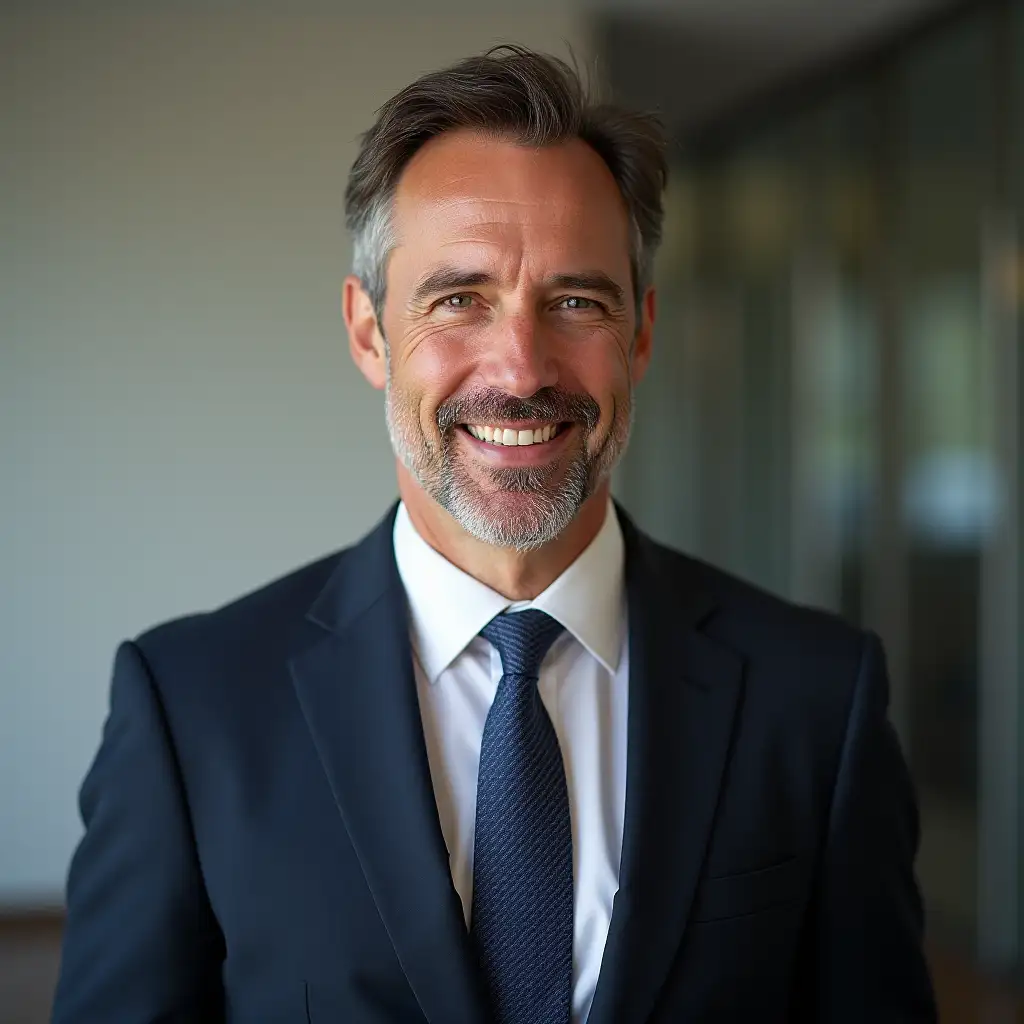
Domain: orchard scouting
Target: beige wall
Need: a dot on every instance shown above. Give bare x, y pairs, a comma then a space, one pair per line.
179, 420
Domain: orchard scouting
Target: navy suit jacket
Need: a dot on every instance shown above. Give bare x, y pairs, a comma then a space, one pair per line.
262, 842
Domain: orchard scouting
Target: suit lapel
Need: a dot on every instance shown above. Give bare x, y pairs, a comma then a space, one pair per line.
683, 695
358, 694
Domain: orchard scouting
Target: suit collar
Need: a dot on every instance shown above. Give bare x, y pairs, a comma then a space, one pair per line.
364, 574
358, 695
683, 696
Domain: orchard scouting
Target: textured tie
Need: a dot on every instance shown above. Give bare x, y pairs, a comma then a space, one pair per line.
522, 857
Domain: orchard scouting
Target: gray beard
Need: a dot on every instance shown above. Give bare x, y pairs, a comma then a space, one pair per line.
524, 525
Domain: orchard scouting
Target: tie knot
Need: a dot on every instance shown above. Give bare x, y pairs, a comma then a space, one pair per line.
522, 639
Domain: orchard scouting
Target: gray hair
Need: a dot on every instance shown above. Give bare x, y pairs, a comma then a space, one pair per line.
514, 93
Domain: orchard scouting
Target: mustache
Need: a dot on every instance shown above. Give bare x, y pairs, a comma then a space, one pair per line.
489, 405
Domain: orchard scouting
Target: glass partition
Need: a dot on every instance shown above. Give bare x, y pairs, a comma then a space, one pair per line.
833, 410
950, 479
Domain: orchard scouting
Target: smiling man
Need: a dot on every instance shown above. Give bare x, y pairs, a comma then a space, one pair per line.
506, 759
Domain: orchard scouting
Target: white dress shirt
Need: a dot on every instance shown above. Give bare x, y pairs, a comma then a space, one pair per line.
583, 685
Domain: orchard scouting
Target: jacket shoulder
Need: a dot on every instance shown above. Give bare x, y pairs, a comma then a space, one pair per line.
757, 621
266, 621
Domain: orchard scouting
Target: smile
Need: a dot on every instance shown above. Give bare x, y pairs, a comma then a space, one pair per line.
510, 436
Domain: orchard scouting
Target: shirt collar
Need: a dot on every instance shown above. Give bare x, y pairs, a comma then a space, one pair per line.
448, 607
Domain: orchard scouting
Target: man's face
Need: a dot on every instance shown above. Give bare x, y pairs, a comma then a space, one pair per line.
512, 342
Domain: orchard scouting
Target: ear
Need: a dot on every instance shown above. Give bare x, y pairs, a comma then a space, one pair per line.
365, 341
642, 345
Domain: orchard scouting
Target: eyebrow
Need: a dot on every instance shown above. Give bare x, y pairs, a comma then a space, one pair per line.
451, 279
448, 279
595, 281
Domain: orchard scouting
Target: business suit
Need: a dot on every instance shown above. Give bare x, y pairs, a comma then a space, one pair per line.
262, 841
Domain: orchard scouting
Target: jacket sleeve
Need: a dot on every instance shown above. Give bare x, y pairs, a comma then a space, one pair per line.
867, 943
141, 944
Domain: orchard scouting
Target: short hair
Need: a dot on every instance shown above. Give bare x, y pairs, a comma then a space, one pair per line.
514, 93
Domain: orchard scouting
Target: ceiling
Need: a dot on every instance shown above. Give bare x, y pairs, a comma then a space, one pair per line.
696, 60
776, 11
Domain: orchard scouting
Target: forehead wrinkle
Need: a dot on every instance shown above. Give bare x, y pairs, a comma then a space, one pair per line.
509, 264
510, 231
475, 199
500, 218
485, 185
502, 263
476, 190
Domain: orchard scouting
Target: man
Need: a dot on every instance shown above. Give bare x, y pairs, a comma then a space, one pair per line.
506, 759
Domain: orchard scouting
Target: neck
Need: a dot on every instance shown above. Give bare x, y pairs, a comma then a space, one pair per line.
517, 575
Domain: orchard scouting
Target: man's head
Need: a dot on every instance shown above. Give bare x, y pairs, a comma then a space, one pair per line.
504, 231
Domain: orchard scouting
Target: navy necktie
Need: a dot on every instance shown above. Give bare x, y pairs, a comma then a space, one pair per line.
522, 916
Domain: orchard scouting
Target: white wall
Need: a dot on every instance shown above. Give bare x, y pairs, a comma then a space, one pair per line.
179, 420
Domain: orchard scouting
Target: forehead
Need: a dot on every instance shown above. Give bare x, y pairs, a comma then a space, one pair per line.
465, 191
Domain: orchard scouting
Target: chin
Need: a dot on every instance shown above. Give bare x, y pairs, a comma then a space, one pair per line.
517, 519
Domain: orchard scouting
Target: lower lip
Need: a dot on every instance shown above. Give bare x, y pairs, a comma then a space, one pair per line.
519, 454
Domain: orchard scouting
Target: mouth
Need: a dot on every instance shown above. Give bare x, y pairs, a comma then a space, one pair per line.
516, 435
522, 443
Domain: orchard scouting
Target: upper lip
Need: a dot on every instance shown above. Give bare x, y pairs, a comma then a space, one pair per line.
512, 425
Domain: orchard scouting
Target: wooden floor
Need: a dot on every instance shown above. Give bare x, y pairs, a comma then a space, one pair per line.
965, 998
29, 954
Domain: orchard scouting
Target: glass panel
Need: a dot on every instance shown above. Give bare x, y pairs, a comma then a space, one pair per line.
759, 191
841, 231
950, 479
707, 466
825, 420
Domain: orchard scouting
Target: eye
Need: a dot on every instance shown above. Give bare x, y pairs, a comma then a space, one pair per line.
457, 302
579, 302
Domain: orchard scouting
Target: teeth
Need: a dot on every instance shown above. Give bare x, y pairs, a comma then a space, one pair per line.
503, 436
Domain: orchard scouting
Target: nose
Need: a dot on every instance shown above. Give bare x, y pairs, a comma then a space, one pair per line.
517, 359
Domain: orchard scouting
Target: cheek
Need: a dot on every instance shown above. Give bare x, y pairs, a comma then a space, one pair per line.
599, 371
432, 372
435, 365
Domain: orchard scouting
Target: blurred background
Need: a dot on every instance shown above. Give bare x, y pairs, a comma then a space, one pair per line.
834, 410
